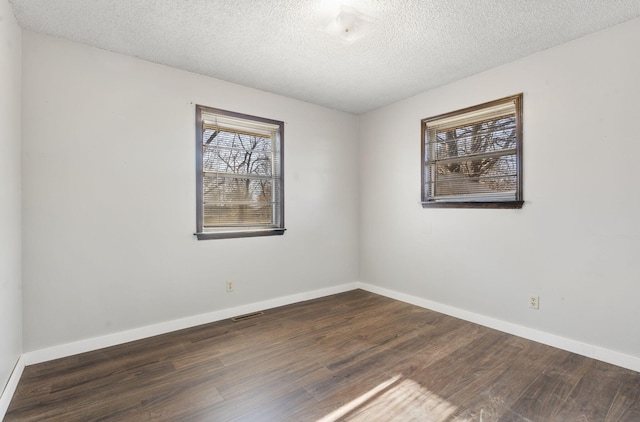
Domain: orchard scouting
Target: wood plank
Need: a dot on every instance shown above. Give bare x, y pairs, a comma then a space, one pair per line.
594, 393
353, 356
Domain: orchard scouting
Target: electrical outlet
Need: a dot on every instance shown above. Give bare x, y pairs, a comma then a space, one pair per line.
534, 302
229, 286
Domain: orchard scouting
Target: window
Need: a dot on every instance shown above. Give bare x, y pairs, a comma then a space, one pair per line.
473, 157
239, 160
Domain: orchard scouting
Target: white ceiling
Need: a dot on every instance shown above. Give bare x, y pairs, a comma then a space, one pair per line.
279, 46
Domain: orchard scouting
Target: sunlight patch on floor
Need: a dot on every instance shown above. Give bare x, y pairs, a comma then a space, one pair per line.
394, 400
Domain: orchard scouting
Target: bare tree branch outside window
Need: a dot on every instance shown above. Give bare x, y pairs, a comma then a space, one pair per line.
237, 181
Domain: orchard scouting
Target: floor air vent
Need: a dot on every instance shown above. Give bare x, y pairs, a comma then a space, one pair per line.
247, 316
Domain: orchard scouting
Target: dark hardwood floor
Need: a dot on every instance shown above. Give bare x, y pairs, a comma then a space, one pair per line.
355, 356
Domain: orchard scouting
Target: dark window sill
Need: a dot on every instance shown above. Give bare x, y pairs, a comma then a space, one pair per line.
243, 233
474, 204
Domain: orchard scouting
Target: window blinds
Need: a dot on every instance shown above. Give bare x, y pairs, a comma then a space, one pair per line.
473, 155
241, 173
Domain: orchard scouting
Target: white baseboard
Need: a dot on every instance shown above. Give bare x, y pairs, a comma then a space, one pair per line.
10, 388
69, 349
584, 349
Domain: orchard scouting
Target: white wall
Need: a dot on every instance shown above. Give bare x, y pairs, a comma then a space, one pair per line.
576, 242
10, 236
109, 197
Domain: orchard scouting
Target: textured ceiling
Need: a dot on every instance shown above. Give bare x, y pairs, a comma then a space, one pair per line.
280, 46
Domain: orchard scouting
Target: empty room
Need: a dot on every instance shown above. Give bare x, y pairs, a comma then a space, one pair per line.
319, 210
